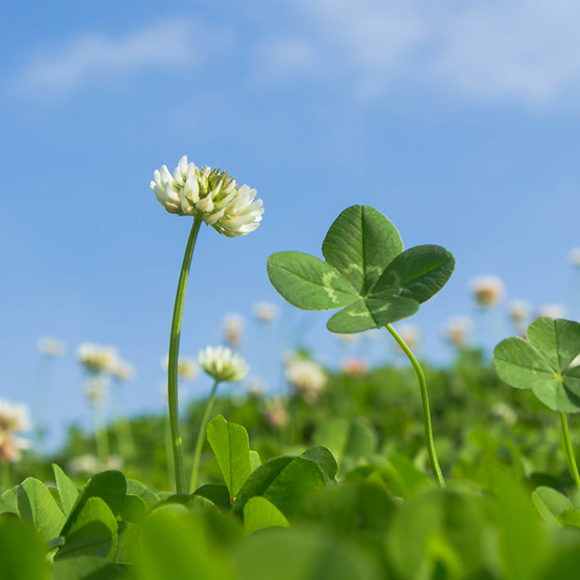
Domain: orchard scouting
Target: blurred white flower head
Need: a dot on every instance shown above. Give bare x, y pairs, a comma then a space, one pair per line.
233, 329
209, 194
86, 464
410, 334
51, 347
457, 330
265, 312
14, 418
186, 367
574, 257
222, 364
11, 447
552, 311
505, 412
97, 358
307, 377
354, 366
276, 413
123, 371
519, 311
487, 290
347, 338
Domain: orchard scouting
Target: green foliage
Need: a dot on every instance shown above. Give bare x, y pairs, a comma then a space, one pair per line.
231, 446
543, 363
366, 271
259, 513
67, 490
22, 553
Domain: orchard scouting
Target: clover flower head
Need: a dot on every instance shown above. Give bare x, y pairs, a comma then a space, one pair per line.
276, 413
14, 418
457, 330
233, 329
354, 366
505, 412
50, 347
265, 312
97, 358
186, 367
552, 311
123, 371
347, 338
209, 194
487, 290
11, 447
222, 364
519, 311
86, 464
307, 377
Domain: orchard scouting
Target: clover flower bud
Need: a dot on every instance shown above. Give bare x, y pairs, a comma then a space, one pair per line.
552, 311
457, 330
265, 312
487, 290
222, 364
97, 358
209, 194
50, 347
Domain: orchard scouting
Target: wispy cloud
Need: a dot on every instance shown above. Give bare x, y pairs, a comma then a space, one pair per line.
94, 57
528, 50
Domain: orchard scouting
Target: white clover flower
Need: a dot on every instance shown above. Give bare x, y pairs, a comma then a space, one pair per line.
123, 371
354, 366
519, 311
233, 329
222, 364
86, 464
97, 358
11, 447
552, 311
14, 418
307, 377
347, 338
505, 412
265, 311
574, 257
51, 347
487, 290
186, 367
209, 194
457, 330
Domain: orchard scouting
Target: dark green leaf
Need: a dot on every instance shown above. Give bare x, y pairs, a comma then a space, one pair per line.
219, 495
360, 244
284, 481
325, 459
22, 552
308, 282
88, 568
36, 504
67, 490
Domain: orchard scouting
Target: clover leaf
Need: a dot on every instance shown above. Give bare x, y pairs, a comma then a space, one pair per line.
366, 272
544, 364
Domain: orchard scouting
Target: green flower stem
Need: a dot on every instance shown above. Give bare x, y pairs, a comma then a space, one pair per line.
569, 449
201, 438
5, 479
101, 437
425, 401
122, 427
172, 391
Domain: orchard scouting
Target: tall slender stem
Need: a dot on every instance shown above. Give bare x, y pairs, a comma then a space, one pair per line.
425, 401
172, 391
201, 437
569, 449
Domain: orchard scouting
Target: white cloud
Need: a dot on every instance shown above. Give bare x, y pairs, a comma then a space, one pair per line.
486, 49
95, 57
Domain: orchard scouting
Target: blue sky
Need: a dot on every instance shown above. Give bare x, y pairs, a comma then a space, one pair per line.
460, 122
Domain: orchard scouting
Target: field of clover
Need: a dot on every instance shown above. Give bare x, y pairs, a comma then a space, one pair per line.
399, 470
